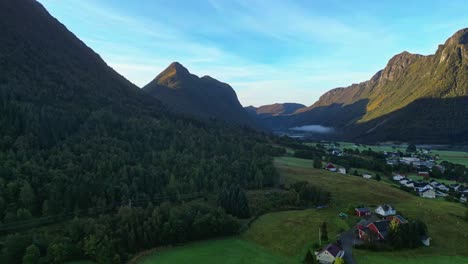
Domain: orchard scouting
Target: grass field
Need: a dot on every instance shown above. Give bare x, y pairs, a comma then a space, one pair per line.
230, 250
284, 237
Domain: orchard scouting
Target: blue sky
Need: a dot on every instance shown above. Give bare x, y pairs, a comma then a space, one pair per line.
268, 50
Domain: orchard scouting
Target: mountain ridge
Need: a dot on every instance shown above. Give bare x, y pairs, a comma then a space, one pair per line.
407, 80
202, 97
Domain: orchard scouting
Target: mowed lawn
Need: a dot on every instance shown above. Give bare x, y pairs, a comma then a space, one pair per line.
229, 251
448, 230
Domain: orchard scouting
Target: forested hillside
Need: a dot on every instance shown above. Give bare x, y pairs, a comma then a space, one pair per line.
76, 137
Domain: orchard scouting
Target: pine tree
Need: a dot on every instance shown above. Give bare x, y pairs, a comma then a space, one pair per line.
32, 255
324, 232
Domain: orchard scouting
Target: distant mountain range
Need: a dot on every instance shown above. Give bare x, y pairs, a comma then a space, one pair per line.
274, 109
414, 98
203, 97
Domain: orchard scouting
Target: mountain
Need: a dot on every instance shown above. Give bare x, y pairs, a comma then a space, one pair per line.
275, 109
203, 97
414, 98
78, 139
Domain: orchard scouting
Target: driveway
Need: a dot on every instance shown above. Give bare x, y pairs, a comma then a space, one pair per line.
347, 243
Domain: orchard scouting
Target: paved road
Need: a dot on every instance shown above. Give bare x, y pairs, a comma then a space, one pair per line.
347, 242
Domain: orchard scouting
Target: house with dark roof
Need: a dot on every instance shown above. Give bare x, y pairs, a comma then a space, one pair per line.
385, 210
399, 218
363, 211
329, 254
378, 228
422, 186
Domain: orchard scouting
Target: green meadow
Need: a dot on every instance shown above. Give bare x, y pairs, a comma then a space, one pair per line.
284, 237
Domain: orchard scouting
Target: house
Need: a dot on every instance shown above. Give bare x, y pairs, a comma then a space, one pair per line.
421, 186
407, 183
363, 211
330, 167
463, 199
400, 219
342, 170
443, 188
425, 240
378, 228
424, 174
455, 186
385, 210
328, 254
367, 176
428, 193
398, 177
434, 183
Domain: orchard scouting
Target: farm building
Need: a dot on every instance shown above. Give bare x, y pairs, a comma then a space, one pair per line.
385, 210
331, 167
363, 211
398, 177
328, 254
424, 174
342, 170
367, 176
377, 229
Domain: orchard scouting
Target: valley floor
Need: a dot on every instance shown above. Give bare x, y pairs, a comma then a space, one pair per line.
284, 237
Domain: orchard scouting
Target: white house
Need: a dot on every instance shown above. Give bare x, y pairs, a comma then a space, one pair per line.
426, 240
443, 188
342, 170
422, 186
463, 199
367, 176
398, 177
428, 193
385, 210
407, 183
329, 254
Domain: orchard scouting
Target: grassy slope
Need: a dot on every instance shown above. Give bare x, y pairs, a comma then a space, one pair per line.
291, 233
449, 233
284, 237
230, 250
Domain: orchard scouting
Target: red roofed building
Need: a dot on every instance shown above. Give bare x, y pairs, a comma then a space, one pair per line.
330, 167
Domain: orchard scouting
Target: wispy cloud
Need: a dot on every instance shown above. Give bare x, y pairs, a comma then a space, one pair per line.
269, 51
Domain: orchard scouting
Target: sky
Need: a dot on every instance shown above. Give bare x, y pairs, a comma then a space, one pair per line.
269, 51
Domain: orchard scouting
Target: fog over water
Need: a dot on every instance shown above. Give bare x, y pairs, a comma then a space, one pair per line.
314, 129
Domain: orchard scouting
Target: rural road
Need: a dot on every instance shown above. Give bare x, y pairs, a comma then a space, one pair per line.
347, 242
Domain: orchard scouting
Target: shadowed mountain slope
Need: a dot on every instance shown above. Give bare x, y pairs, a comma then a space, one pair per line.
203, 97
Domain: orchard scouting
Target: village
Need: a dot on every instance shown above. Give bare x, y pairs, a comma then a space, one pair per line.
383, 227
374, 230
